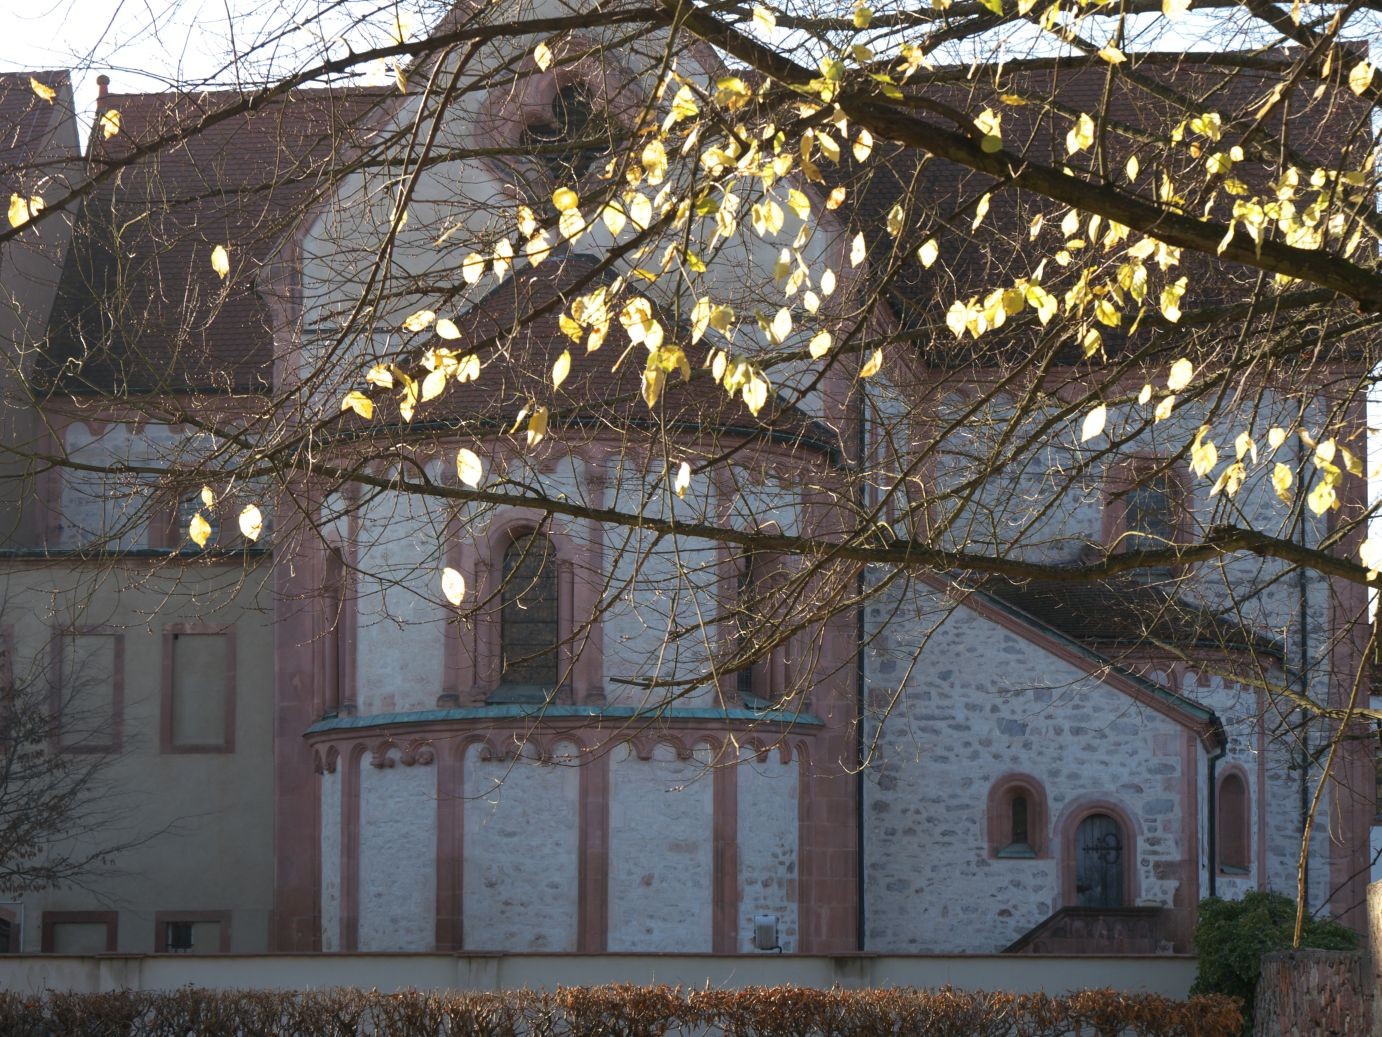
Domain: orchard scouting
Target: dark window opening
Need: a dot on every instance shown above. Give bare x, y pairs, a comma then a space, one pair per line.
1020, 841
571, 121
528, 619
179, 936
748, 682
1232, 822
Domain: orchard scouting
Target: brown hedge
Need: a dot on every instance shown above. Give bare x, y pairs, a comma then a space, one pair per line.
617, 1011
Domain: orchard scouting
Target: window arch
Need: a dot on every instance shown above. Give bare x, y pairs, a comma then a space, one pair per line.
562, 137
1146, 507
1233, 825
1016, 818
761, 684
529, 621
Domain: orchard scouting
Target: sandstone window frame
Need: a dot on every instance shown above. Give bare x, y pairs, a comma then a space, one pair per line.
58, 683
1233, 822
50, 920
167, 745
1133, 476
163, 919
1000, 815
555, 572
750, 577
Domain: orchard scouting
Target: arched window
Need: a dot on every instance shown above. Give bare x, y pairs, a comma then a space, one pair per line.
1151, 513
1017, 818
529, 630
336, 642
1233, 826
571, 120
761, 683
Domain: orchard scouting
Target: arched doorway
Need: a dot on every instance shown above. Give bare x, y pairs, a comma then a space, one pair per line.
1100, 845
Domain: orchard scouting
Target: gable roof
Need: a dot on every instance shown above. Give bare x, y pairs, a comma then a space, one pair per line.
27, 127
139, 308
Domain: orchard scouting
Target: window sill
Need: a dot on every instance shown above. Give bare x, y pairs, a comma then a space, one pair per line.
1016, 852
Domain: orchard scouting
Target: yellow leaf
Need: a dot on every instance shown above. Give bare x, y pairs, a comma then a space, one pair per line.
928, 253
862, 17
381, 376
473, 268
561, 368
251, 522
110, 123
447, 329
220, 261
764, 18
1093, 424
1182, 371
873, 366
755, 394
820, 344
401, 78
419, 320
1112, 55
21, 209
434, 384
542, 56
537, 426
468, 467
44, 91
863, 145
453, 586
1322, 497
980, 211
564, 198
1204, 455
1081, 135
1164, 408
1370, 553
199, 530
896, 220
857, 250
798, 203
1170, 299
1281, 481
683, 480
781, 326
1174, 9
1324, 453
1244, 445
1229, 481
836, 199
1360, 77
613, 218
359, 403
1132, 168
1145, 396
208, 497
828, 282
1275, 437
1351, 462
655, 161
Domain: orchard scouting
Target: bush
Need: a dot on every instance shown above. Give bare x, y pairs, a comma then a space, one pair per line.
616, 1011
1231, 937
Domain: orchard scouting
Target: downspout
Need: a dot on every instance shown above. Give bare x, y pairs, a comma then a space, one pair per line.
860, 681
1212, 813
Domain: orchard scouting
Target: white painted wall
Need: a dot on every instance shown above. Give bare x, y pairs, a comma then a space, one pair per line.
769, 864
398, 855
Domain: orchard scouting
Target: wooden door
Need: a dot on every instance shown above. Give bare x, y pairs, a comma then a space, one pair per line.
1099, 848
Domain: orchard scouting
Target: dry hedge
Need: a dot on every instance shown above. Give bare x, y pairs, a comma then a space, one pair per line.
616, 1011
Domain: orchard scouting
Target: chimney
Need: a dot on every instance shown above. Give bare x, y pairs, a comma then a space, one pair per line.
102, 86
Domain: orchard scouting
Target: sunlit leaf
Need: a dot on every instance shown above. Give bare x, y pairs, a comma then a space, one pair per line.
1244, 444
433, 385
1182, 371
468, 467
208, 497
1282, 478
537, 426
473, 268
1360, 77
820, 344
110, 123
1174, 9
755, 394
781, 326
1081, 135
928, 252
764, 18
43, 90
1229, 481
1204, 455
1093, 424
1170, 299
564, 198
1164, 408
858, 250
199, 530
1112, 55
873, 365
542, 56
453, 586
1370, 554
1145, 396
220, 261
22, 209
863, 145
683, 479
251, 522
446, 328
980, 211
419, 321
359, 403
561, 368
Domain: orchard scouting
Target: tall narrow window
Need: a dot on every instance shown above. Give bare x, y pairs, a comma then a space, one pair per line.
1233, 825
1019, 819
335, 640
529, 630
1150, 513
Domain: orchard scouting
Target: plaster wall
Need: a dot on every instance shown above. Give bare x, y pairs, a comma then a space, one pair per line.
398, 857
768, 845
521, 853
660, 852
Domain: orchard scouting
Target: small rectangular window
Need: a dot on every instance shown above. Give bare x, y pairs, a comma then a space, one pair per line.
192, 932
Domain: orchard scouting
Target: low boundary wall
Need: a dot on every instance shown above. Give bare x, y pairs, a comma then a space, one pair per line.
1170, 976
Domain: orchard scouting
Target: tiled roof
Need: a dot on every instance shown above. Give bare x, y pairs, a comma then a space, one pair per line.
140, 307
1127, 613
602, 389
26, 123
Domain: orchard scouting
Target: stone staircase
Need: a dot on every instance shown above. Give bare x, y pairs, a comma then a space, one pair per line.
1094, 930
